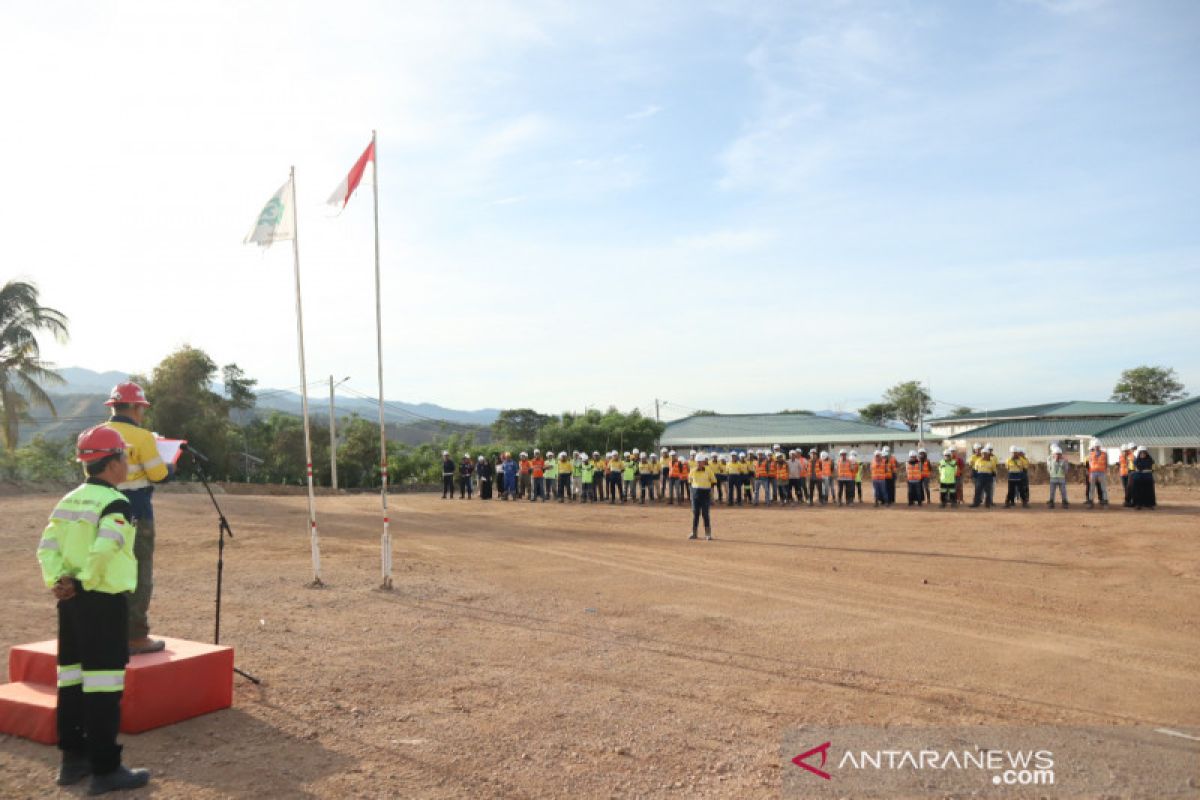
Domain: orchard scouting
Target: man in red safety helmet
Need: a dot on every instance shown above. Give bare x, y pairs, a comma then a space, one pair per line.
87, 558
128, 403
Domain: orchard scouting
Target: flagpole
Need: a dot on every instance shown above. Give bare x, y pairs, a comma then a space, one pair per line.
385, 542
308, 467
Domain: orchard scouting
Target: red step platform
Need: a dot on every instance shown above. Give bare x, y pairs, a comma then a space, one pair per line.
185, 680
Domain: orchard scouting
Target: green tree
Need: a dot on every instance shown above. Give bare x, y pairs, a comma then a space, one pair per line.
238, 388
1153, 386
520, 424
186, 407
909, 402
961, 411
804, 412
596, 431
22, 371
876, 413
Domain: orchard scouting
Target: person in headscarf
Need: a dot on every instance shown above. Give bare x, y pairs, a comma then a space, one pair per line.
1141, 480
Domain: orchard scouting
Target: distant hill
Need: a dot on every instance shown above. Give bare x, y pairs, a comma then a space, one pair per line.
82, 381
80, 403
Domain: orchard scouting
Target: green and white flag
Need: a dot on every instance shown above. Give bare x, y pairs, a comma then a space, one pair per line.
277, 220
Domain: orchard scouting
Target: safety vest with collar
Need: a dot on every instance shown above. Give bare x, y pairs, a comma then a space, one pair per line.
926, 468
676, 469
1098, 461
538, 466
948, 471
1016, 466
879, 470
146, 467
781, 471
825, 468
565, 467
845, 469
629, 470
685, 469
645, 468
893, 466
523, 466
762, 469
89, 538
587, 473
986, 465
1125, 463
912, 470
551, 471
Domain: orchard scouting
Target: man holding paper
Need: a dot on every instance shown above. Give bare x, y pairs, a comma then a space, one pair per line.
146, 467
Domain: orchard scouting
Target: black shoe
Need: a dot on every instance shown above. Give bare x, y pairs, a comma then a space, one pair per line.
1066, 504
74, 768
708, 536
693, 536
120, 779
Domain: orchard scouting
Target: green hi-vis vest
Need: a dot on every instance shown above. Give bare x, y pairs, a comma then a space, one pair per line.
587, 472
628, 471
551, 470
948, 470
85, 543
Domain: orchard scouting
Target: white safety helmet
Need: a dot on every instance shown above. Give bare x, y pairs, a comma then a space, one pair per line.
702, 457
481, 458
524, 454
445, 452
626, 455
663, 449
987, 448
949, 451
921, 450
878, 452
1012, 448
853, 455
742, 454
1095, 444
1056, 450
466, 455
537, 452
887, 451
824, 455
912, 453
635, 451
842, 452
671, 453
977, 446
775, 447
563, 454
1141, 448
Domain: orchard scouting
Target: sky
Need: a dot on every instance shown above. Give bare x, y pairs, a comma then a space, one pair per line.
736, 206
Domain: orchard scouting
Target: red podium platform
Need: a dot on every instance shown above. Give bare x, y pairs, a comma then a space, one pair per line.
185, 680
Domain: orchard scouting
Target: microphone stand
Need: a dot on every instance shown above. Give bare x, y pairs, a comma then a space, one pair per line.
199, 459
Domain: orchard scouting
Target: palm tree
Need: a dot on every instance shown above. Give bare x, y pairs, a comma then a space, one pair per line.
22, 371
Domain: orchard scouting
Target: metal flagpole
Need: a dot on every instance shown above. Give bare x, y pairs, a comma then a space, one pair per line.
312, 516
385, 542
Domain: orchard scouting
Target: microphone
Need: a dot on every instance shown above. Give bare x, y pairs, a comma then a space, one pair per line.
187, 448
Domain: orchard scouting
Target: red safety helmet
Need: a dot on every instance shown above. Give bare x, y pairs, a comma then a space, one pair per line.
97, 443
129, 394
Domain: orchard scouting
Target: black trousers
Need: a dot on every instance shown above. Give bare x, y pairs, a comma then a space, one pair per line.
92, 637
447, 486
701, 501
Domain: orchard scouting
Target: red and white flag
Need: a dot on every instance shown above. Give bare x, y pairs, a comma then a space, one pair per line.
341, 195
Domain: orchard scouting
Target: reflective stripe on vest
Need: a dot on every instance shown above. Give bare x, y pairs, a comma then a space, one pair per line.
103, 681
70, 674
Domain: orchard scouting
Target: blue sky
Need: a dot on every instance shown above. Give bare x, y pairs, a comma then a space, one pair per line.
737, 206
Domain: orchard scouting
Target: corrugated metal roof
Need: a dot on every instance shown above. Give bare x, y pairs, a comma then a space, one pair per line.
768, 429
1063, 408
1036, 428
1173, 425
1087, 408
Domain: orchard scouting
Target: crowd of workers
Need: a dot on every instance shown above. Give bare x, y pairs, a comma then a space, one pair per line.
791, 477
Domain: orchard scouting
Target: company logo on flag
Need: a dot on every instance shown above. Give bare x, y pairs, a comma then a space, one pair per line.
277, 220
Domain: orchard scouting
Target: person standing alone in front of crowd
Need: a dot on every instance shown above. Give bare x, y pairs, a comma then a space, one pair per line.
702, 479
146, 468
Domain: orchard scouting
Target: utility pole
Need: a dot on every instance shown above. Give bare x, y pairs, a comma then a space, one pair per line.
332, 439
333, 434
656, 417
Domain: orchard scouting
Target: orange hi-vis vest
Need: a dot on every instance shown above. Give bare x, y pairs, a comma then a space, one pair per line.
1125, 463
1098, 462
926, 468
845, 470
780, 470
539, 467
825, 468
878, 469
523, 467
912, 470
892, 466
762, 469
685, 470
675, 470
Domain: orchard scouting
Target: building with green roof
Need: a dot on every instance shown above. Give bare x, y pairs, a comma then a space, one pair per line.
1171, 433
953, 427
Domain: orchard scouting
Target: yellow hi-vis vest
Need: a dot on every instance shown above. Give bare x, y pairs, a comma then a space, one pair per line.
89, 538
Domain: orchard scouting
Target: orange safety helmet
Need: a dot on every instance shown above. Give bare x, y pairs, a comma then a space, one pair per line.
97, 443
128, 394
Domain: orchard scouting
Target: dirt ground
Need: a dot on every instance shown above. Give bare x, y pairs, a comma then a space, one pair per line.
555, 651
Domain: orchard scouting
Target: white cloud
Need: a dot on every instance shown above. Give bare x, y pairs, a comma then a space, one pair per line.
645, 113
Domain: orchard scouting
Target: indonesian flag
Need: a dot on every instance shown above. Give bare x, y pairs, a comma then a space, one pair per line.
341, 195
277, 221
